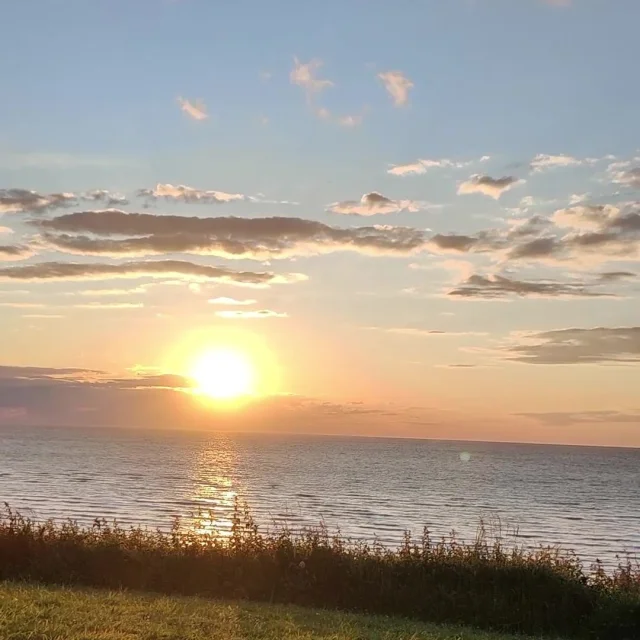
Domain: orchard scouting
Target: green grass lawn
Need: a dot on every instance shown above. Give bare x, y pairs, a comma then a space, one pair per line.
49, 613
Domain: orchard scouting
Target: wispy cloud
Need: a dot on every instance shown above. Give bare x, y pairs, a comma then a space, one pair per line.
110, 305
498, 287
22, 200
26, 201
196, 110
227, 237
578, 346
373, 204
250, 315
304, 76
189, 194
22, 305
15, 252
43, 316
492, 187
231, 301
421, 166
160, 268
561, 418
397, 85
543, 162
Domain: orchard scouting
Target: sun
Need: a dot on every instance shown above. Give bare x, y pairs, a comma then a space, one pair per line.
224, 374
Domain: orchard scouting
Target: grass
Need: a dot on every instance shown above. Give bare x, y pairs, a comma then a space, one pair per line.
483, 584
50, 613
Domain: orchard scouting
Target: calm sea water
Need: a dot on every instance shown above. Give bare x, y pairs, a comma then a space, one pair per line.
586, 499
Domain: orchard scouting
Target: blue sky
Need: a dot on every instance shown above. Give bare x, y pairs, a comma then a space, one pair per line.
292, 108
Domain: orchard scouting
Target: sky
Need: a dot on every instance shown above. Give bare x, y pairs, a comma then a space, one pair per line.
415, 219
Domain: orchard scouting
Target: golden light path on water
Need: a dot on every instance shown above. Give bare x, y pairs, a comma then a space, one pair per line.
215, 490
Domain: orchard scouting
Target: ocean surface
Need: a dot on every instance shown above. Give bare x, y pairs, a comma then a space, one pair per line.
584, 499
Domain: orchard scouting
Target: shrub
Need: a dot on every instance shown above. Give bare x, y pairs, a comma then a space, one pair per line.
483, 584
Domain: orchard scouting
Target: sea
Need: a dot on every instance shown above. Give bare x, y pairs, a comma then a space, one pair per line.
584, 499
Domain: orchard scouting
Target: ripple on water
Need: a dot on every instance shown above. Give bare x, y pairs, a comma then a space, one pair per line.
584, 499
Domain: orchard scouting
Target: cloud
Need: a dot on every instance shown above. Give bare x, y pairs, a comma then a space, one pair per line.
15, 252
304, 76
628, 178
543, 162
227, 237
160, 268
482, 242
244, 315
372, 204
189, 194
426, 333
423, 165
612, 276
492, 187
350, 120
5, 230
22, 200
22, 305
25, 201
105, 197
397, 85
578, 346
196, 110
42, 316
585, 234
563, 418
496, 286
231, 301
110, 305
98, 293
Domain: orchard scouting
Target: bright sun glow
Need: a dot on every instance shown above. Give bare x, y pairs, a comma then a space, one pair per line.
224, 374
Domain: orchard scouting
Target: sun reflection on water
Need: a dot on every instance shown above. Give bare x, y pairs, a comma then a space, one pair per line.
216, 488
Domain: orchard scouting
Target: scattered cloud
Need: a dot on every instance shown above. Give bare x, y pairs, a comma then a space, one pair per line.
543, 162
196, 110
397, 85
22, 305
304, 76
373, 204
427, 333
189, 194
492, 187
160, 268
562, 418
15, 252
105, 197
628, 178
110, 305
42, 316
246, 315
26, 201
5, 230
22, 200
99, 293
608, 345
227, 237
423, 165
350, 120
232, 301
497, 286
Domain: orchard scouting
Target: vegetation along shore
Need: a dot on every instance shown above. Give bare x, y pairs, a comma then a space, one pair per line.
483, 584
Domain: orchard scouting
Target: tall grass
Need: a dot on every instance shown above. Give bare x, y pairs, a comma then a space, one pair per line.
484, 583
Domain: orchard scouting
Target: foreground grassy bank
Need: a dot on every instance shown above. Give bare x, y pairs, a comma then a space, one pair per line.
483, 585
52, 613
